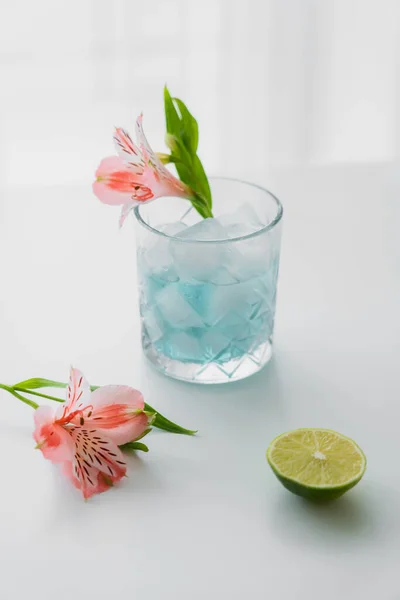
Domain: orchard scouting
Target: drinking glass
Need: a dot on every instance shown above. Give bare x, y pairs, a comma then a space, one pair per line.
208, 286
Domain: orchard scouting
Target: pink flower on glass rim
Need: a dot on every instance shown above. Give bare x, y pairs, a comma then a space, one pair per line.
136, 175
85, 432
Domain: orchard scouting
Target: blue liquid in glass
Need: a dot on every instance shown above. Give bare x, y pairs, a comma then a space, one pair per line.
201, 322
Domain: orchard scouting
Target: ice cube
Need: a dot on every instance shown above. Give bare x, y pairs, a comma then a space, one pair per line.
151, 325
184, 347
251, 258
239, 299
175, 309
173, 228
243, 221
248, 257
200, 260
206, 229
155, 255
221, 263
252, 255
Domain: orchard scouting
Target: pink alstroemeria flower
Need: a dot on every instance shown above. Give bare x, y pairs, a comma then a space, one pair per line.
84, 434
136, 175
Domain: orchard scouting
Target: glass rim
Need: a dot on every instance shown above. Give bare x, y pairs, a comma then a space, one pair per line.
264, 229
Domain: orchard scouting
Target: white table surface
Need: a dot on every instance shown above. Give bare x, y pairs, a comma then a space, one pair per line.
204, 517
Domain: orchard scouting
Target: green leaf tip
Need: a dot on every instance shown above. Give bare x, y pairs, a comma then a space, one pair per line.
135, 446
171, 116
162, 422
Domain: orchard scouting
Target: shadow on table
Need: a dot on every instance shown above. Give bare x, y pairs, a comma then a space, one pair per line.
262, 392
353, 518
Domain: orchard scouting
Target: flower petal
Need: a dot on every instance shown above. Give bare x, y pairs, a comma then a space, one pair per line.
103, 483
109, 165
117, 394
68, 471
107, 195
43, 415
140, 193
126, 209
117, 412
78, 391
53, 441
145, 147
128, 151
98, 463
129, 431
117, 183
169, 185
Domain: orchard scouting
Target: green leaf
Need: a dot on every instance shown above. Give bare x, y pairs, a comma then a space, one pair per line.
178, 149
38, 382
135, 446
182, 139
163, 423
167, 425
191, 172
189, 127
200, 177
171, 116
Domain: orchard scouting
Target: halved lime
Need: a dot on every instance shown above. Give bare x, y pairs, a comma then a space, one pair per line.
318, 464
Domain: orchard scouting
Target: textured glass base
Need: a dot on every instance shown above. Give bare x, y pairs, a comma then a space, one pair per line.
211, 372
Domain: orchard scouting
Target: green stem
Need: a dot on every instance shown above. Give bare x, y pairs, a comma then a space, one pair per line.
201, 206
21, 389
22, 398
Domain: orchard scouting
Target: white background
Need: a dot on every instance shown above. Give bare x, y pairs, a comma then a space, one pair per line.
303, 97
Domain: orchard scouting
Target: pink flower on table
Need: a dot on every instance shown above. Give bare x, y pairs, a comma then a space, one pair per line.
85, 432
136, 175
